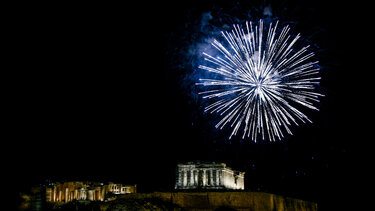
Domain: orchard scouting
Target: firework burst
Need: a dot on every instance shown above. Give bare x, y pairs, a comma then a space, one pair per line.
259, 81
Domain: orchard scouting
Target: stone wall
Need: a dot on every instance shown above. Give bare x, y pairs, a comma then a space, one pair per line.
255, 201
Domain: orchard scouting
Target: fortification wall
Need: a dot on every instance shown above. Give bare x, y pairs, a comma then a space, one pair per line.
256, 201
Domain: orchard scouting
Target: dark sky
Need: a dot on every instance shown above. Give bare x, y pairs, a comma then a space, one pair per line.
101, 92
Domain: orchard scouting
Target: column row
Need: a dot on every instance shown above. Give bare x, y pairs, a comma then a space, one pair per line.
201, 177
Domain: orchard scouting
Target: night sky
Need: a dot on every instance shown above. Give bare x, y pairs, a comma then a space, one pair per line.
106, 93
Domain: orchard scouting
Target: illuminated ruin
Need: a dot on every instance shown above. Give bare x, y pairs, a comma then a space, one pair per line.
196, 175
89, 191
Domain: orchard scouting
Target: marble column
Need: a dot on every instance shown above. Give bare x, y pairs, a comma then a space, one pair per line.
184, 178
54, 194
211, 177
220, 177
204, 178
60, 195
192, 178
217, 178
66, 194
196, 178
208, 173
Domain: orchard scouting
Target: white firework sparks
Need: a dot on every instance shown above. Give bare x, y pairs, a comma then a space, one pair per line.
258, 81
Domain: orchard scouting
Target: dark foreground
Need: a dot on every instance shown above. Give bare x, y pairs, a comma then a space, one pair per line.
189, 201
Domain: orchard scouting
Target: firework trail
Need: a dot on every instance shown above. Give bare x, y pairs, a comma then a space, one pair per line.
258, 81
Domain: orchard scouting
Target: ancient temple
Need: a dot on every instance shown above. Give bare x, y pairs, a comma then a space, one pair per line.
197, 175
86, 191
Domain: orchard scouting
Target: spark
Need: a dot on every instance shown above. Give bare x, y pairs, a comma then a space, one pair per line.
259, 81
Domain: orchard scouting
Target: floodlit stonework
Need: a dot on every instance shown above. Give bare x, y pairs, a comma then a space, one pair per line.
71, 191
196, 175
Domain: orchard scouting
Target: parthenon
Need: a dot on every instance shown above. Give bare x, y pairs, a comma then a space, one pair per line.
196, 175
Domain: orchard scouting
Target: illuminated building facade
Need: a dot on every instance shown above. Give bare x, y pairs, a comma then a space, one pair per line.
71, 191
208, 176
